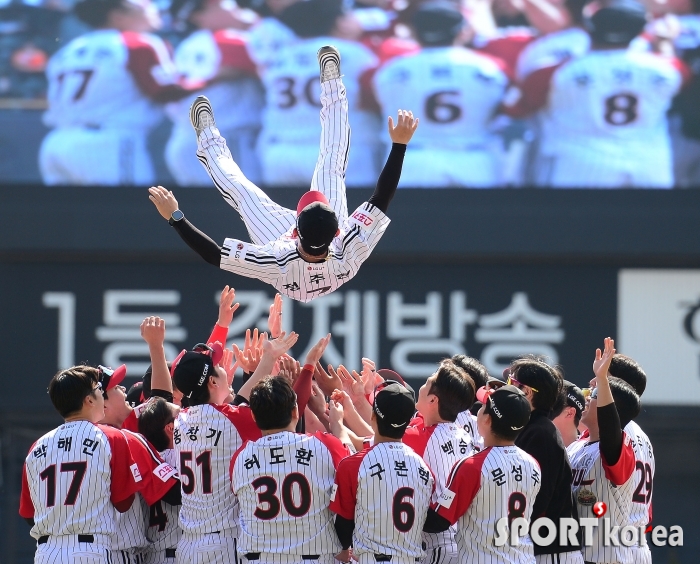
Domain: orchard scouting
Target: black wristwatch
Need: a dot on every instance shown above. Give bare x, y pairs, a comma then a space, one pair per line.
177, 215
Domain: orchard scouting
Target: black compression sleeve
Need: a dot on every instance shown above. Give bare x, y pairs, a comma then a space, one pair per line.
239, 400
435, 523
199, 242
389, 178
30, 521
174, 495
344, 529
165, 394
610, 432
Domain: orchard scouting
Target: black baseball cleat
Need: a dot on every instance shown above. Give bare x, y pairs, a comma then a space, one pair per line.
329, 63
201, 114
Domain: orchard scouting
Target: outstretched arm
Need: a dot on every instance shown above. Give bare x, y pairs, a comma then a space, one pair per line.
196, 240
389, 178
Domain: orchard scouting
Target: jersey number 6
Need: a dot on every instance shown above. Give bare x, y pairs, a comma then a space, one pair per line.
402, 511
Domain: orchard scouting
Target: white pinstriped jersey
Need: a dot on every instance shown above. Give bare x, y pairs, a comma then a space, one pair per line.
551, 49
593, 481
91, 82
278, 263
453, 90
613, 102
205, 438
468, 422
386, 490
162, 519
294, 92
283, 483
440, 446
73, 475
644, 470
158, 477
492, 484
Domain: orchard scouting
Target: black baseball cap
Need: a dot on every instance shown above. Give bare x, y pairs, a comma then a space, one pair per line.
317, 225
389, 374
437, 22
574, 397
134, 396
394, 405
617, 22
192, 369
509, 409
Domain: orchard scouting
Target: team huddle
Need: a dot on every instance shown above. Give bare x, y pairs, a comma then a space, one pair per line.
582, 106
311, 463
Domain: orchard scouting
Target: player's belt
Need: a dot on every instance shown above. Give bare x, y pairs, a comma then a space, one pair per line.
81, 538
386, 558
170, 553
256, 556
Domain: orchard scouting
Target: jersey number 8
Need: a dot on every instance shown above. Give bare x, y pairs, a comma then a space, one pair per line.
621, 109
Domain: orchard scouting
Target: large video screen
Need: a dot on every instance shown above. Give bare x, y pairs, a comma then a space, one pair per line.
509, 94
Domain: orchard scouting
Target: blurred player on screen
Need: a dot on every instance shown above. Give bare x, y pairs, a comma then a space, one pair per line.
455, 92
105, 92
288, 145
604, 114
215, 50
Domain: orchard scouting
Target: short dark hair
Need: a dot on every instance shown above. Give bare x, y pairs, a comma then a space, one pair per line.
628, 369
385, 429
454, 389
627, 401
476, 370
95, 13
312, 18
559, 406
536, 373
272, 402
69, 388
152, 421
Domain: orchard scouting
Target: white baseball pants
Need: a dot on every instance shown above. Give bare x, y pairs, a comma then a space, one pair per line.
66, 549
210, 548
265, 220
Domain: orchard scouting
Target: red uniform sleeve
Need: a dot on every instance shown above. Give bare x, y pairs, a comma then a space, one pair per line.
507, 49
417, 437
302, 387
621, 471
338, 450
26, 505
151, 73
157, 476
219, 334
462, 486
534, 93
131, 423
344, 495
242, 418
234, 54
683, 69
124, 471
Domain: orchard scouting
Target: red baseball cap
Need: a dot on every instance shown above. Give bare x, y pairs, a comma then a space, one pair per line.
311, 197
111, 378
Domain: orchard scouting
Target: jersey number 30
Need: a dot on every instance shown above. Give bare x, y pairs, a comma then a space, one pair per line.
269, 504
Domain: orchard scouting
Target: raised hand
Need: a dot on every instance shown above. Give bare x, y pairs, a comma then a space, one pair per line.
317, 401
352, 383
249, 358
153, 331
602, 361
227, 363
227, 307
275, 348
164, 200
404, 129
274, 320
369, 375
289, 368
317, 350
326, 381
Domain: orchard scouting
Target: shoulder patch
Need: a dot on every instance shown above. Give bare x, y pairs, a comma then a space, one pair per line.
361, 219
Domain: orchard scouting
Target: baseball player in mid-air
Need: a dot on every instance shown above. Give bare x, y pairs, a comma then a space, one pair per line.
313, 251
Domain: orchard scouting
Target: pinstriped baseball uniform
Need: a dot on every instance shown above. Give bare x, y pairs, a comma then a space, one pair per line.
494, 483
594, 480
205, 438
440, 446
162, 520
158, 478
644, 470
273, 257
386, 490
283, 483
71, 478
467, 421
